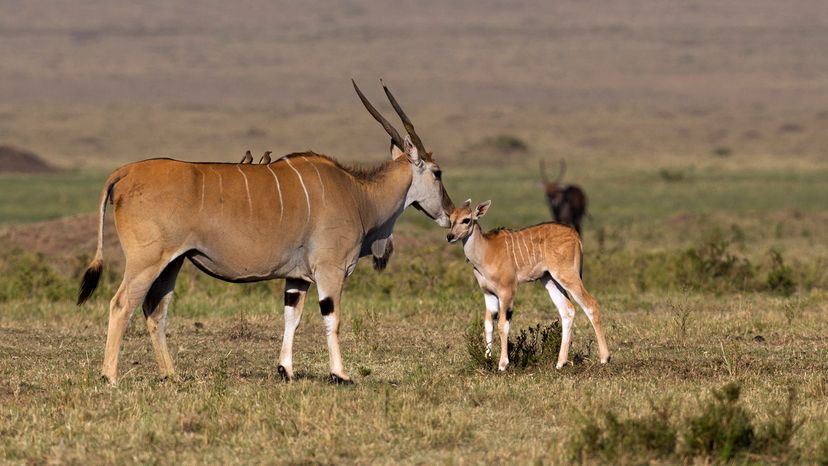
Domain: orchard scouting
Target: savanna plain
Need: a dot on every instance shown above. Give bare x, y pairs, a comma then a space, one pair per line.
706, 246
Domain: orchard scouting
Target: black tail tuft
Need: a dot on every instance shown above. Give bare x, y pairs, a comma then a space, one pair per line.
581, 266
380, 262
90, 281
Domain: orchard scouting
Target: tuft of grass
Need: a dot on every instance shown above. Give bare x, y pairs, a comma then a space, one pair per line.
775, 438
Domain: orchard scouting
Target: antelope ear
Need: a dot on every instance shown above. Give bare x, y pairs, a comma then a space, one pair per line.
482, 208
411, 151
466, 204
396, 152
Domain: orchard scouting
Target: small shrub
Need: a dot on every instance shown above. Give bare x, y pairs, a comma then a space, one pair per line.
531, 347
723, 151
535, 346
780, 277
509, 144
712, 266
476, 348
722, 429
611, 440
673, 176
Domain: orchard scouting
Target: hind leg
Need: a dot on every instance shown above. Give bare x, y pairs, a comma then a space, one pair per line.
567, 312
573, 284
155, 310
134, 287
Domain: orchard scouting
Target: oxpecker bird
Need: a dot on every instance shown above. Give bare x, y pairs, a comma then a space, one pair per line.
248, 157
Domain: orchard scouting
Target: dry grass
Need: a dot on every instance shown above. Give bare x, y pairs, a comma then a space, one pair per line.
415, 400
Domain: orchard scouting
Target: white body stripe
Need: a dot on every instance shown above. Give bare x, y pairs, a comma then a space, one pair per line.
304, 188
203, 179
278, 190
321, 184
247, 190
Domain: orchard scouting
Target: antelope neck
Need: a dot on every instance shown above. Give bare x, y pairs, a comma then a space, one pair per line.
475, 245
383, 199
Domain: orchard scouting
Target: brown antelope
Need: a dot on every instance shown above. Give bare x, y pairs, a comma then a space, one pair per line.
310, 217
503, 258
567, 203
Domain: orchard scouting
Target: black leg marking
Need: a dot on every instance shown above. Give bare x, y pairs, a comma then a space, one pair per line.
326, 306
283, 373
291, 298
494, 316
509, 314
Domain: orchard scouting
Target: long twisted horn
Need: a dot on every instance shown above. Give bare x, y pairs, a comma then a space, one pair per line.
542, 169
409, 127
561, 173
395, 136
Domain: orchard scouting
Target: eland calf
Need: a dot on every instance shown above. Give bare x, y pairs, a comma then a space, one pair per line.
502, 259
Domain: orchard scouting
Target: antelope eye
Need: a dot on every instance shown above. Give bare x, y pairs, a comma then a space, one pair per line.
465, 221
438, 174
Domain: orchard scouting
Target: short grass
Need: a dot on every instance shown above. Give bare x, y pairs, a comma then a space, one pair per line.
419, 397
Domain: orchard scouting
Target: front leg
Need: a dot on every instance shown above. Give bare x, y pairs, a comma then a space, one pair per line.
490, 314
295, 292
329, 283
504, 319
491, 309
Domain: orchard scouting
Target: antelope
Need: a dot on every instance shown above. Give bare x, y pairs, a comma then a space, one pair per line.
502, 259
265, 157
567, 203
248, 158
311, 218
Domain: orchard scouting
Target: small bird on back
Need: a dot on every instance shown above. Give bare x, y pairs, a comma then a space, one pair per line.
265, 157
248, 157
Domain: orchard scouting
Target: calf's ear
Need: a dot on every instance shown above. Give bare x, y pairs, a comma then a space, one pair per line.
482, 208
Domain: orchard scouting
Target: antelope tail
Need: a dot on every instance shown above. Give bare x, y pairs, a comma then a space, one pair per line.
93, 273
580, 259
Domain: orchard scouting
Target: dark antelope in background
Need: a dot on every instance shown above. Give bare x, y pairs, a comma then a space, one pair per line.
310, 217
567, 203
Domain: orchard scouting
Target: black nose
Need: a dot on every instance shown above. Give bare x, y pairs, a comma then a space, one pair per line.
450, 237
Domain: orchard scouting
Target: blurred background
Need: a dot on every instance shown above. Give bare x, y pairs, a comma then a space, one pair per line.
675, 117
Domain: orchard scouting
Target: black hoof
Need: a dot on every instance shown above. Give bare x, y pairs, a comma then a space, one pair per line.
337, 380
283, 373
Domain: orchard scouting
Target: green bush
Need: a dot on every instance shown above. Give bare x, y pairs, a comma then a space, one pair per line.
712, 266
722, 429
636, 440
780, 277
29, 276
529, 348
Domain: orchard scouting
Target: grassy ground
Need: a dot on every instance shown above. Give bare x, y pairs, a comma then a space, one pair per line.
674, 334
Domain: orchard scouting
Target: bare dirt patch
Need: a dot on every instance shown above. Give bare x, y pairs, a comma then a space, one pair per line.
63, 241
17, 160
